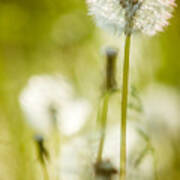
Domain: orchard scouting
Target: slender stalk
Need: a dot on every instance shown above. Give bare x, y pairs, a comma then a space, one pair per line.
103, 126
124, 108
111, 55
141, 156
42, 154
155, 164
45, 171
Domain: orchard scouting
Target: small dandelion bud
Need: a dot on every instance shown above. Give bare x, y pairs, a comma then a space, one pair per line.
104, 170
129, 16
42, 152
111, 56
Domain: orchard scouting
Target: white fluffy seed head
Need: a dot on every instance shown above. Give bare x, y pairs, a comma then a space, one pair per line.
78, 156
48, 103
129, 16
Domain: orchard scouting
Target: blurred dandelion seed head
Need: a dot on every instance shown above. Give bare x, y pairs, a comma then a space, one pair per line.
78, 156
129, 16
161, 105
48, 103
112, 143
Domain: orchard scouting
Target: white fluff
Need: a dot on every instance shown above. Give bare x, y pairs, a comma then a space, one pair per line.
146, 16
43, 93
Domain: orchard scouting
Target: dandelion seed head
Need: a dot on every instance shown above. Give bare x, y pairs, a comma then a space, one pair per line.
113, 141
129, 16
161, 117
77, 159
78, 156
165, 113
47, 102
153, 16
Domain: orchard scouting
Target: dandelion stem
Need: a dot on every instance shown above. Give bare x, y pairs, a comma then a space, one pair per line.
124, 108
155, 164
103, 126
45, 171
111, 55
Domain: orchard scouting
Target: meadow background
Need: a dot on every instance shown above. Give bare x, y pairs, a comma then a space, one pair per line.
58, 37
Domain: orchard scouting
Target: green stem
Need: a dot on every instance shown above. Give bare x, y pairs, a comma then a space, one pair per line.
155, 164
141, 157
45, 171
103, 126
124, 108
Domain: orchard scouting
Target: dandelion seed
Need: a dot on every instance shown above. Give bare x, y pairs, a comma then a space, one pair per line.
48, 103
129, 16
